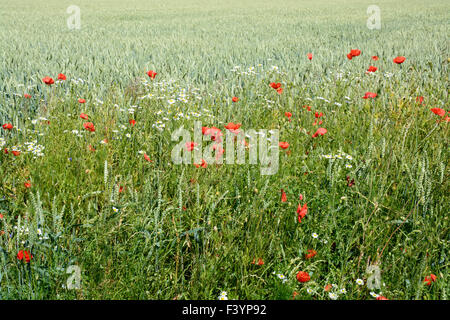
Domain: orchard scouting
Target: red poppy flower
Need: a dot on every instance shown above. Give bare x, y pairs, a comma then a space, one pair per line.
438, 111
301, 212
349, 56
24, 254
372, 69
215, 133
235, 99
310, 56
374, 58
280, 90
81, 100
327, 287
370, 95
84, 116
190, 145
355, 52
152, 74
203, 164
26, 95
62, 76
350, 183
303, 276
48, 80
399, 60
204, 130
16, 153
233, 126
89, 126
260, 262
318, 115
320, 131
311, 254
132, 122
382, 298
7, 126
420, 99
288, 115
1, 216
283, 196
275, 85
27, 184
120, 189
212, 131
429, 279
283, 145
147, 158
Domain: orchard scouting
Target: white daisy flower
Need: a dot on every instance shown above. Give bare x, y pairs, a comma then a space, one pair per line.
333, 296
282, 277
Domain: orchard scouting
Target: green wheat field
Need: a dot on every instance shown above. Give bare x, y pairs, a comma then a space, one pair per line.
92, 206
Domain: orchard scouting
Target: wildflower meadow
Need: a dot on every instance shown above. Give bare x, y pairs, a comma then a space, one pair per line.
224, 150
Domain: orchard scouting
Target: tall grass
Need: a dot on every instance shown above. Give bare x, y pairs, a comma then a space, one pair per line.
189, 233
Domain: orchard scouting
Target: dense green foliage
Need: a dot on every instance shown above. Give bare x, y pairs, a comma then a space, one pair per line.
177, 231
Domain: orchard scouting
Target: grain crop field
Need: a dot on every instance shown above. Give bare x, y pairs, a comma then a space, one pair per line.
101, 100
